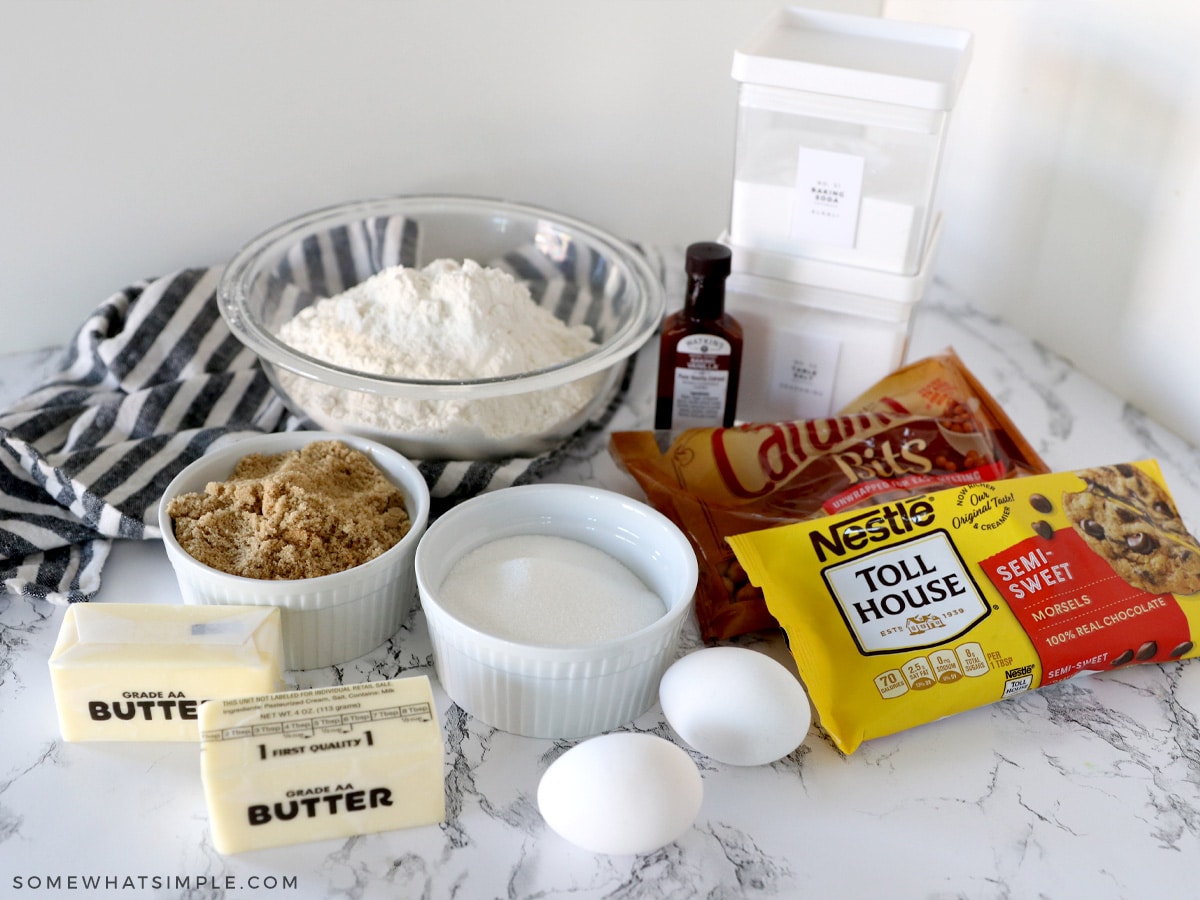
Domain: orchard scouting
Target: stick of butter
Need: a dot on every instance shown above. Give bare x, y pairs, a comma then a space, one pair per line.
140, 671
322, 763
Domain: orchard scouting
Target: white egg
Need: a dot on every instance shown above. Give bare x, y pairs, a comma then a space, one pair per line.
735, 705
621, 793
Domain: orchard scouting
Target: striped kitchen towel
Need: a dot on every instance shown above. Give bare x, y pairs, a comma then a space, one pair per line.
152, 380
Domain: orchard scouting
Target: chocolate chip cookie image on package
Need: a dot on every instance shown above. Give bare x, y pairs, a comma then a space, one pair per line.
1129, 520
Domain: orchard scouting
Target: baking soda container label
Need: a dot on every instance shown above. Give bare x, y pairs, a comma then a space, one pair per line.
827, 198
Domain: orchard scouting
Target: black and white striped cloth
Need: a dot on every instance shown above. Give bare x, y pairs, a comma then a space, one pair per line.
151, 380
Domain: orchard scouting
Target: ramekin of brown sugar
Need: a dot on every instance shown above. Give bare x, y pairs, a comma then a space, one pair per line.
226, 553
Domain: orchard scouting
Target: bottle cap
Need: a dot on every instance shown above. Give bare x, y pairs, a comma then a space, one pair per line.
708, 258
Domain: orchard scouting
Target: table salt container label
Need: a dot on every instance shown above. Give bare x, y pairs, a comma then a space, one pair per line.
801, 372
827, 197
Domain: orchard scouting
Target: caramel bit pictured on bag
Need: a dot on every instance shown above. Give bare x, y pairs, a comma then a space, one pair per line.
301, 514
927, 426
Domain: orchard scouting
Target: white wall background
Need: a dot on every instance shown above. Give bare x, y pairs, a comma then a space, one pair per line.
138, 136
1072, 188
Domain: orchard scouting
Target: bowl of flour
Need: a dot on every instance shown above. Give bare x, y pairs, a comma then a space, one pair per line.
446, 327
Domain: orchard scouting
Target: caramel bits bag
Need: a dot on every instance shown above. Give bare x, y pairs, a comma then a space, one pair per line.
927, 426
919, 608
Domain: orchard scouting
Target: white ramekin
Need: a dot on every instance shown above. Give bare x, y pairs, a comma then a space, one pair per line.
330, 619
560, 691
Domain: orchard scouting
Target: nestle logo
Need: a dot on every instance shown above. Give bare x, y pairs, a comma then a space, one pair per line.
1018, 673
883, 523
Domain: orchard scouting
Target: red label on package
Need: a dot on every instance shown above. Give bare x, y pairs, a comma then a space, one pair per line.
1081, 615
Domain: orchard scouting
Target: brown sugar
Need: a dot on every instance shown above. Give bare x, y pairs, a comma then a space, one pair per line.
300, 514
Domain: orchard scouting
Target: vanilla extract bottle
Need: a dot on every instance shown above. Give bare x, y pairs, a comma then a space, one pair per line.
700, 351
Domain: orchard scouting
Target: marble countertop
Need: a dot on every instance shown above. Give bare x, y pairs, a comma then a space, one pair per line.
1089, 787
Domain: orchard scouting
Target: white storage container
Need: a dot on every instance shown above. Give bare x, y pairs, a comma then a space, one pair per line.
842, 120
811, 347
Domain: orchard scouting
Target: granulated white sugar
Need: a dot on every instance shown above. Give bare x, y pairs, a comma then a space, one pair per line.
543, 589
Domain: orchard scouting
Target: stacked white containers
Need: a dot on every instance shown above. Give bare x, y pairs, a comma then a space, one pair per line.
842, 121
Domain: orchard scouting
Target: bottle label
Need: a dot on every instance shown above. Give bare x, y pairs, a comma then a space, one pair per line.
701, 381
701, 345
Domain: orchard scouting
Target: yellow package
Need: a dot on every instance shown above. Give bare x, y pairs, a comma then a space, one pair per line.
916, 609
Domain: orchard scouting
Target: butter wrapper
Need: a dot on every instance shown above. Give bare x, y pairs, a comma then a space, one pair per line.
920, 608
140, 671
322, 763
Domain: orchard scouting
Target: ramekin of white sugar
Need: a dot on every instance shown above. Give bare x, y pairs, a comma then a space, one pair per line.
554, 609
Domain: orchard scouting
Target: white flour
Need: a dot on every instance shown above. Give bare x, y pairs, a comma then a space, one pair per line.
447, 321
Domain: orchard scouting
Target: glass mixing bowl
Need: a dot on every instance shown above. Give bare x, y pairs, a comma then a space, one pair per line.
580, 273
